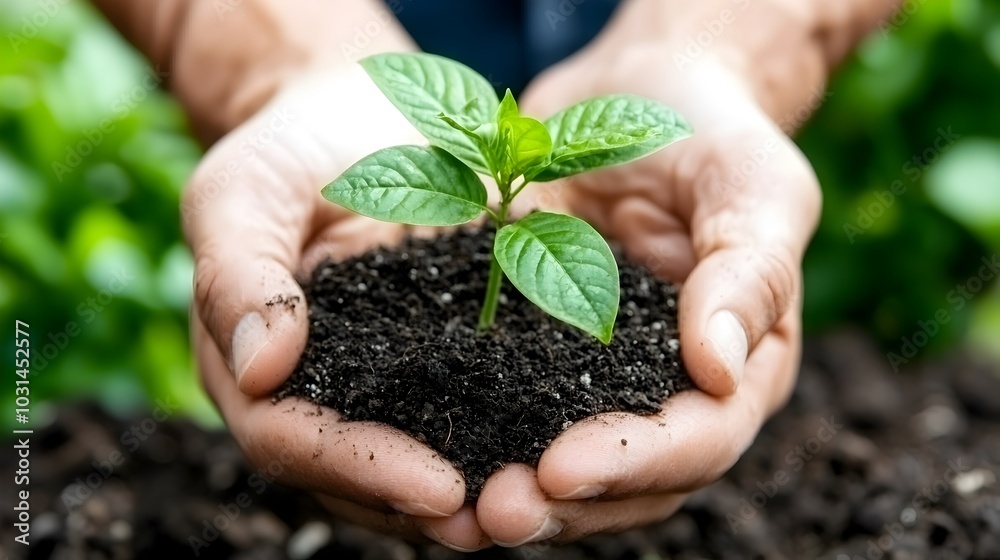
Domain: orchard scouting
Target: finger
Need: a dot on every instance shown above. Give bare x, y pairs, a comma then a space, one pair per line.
348, 237
749, 246
654, 238
513, 510
693, 441
386, 522
254, 202
246, 222
459, 532
311, 447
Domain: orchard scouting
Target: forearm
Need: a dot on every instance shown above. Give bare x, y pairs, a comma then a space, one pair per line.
783, 50
225, 58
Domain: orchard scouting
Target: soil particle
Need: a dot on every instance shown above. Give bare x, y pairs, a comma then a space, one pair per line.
393, 339
289, 302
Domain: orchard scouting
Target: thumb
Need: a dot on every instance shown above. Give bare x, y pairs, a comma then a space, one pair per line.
731, 300
246, 227
748, 275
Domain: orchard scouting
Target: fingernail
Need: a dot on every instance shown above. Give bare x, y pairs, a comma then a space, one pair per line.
431, 534
550, 528
249, 338
584, 492
730, 340
418, 509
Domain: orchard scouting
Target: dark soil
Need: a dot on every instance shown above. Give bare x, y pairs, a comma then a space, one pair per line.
881, 488
393, 339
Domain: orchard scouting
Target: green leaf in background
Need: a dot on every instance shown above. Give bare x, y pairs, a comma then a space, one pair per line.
563, 266
605, 131
111, 206
423, 86
965, 184
414, 185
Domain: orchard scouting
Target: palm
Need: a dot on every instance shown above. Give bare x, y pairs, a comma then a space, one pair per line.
674, 211
725, 213
266, 228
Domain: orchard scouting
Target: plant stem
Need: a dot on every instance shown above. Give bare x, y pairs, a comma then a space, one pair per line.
489, 312
518, 190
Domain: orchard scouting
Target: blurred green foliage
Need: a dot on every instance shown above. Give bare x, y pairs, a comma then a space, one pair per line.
916, 109
93, 158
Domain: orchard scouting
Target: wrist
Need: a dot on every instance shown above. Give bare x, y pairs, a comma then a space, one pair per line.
225, 60
265, 44
770, 47
781, 50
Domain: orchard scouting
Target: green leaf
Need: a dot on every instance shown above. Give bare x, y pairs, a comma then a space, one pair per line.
607, 131
527, 143
415, 185
523, 142
483, 136
422, 86
599, 146
565, 267
508, 107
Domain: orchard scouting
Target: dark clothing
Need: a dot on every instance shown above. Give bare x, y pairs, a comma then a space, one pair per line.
508, 41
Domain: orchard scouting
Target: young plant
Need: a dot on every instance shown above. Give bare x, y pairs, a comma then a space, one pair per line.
558, 262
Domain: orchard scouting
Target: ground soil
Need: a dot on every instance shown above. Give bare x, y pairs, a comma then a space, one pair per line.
393, 339
911, 471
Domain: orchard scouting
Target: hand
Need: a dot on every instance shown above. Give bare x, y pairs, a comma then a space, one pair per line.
728, 214
255, 220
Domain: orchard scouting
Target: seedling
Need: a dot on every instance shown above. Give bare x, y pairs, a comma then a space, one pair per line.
558, 262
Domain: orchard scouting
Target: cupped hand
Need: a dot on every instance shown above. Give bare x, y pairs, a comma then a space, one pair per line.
727, 213
255, 221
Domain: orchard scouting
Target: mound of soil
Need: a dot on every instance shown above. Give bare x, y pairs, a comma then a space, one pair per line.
393, 339
912, 472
